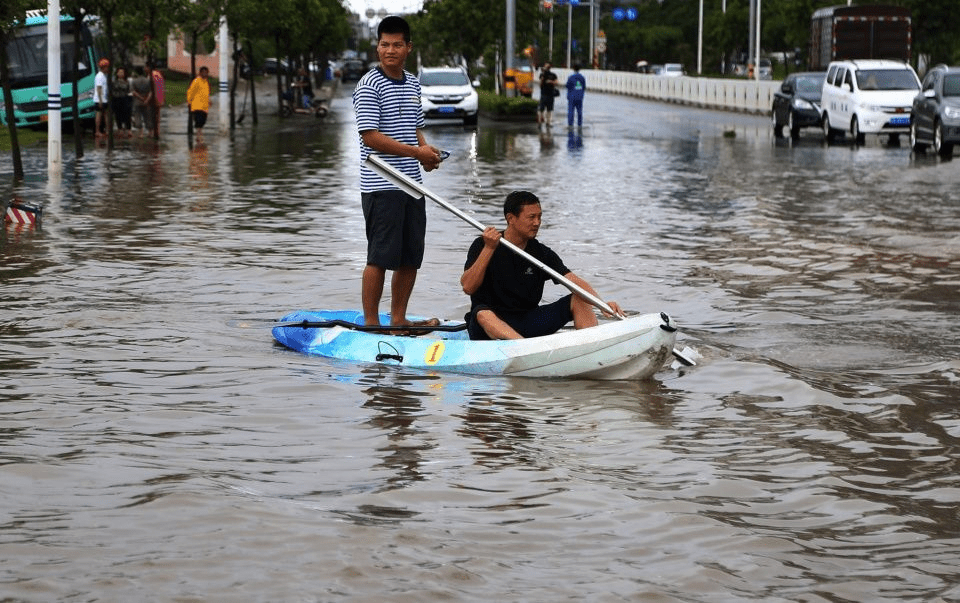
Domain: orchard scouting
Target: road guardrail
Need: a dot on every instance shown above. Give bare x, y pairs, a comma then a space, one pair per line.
750, 96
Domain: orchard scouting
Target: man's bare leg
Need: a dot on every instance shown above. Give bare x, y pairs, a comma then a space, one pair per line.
371, 292
494, 327
401, 288
583, 314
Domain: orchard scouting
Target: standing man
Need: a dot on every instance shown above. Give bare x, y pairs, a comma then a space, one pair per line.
198, 101
142, 102
548, 91
101, 94
390, 122
576, 86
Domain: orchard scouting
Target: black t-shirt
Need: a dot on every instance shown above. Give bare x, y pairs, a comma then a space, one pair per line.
304, 82
512, 283
548, 81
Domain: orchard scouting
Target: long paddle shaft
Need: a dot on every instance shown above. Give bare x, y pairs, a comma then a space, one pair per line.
415, 189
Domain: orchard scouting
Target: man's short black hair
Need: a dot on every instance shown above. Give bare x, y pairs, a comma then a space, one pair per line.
394, 25
516, 200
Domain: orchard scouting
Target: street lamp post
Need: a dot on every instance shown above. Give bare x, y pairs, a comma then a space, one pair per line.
756, 58
511, 32
700, 42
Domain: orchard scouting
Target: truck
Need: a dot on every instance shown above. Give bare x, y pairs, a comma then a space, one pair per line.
839, 33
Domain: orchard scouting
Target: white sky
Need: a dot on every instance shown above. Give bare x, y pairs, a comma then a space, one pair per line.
392, 6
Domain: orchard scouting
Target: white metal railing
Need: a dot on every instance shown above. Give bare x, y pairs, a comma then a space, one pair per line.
749, 96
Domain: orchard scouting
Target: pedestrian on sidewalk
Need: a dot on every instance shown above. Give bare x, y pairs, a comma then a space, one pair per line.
122, 103
101, 98
576, 86
548, 91
142, 91
198, 101
159, 98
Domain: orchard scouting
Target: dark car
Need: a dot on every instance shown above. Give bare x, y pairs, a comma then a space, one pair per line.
797, 103
272, 65
353, 69
936, 111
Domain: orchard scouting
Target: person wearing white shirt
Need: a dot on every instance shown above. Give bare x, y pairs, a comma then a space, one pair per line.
101, 94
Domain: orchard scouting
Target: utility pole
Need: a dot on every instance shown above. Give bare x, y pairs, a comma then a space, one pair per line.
224, 75
54, 102
511, 33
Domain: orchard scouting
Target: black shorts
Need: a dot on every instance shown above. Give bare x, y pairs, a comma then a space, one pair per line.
546, 102
199, 119
396, 228
101, 107
543, 320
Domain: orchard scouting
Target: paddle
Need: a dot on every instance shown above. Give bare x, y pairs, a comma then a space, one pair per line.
415, 189
327, 324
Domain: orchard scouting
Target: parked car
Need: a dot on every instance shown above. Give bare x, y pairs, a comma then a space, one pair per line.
936, 111
447, 93
868, 97
797, 103
765, 69
271, 65
672, 70
352, 70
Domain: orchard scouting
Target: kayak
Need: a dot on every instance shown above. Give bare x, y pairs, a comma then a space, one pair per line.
633, 348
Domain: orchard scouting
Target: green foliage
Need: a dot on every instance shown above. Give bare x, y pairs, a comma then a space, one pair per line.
935, 26
175, 87
445, 31
494, 104
25, 138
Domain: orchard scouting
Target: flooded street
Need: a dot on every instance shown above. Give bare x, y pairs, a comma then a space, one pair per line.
156, 445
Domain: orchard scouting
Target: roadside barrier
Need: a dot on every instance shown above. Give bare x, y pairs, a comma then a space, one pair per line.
749, 96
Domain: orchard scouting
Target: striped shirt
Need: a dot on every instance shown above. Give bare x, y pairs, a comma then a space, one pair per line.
393, 108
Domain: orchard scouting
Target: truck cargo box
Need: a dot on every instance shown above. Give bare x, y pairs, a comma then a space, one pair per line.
840, 33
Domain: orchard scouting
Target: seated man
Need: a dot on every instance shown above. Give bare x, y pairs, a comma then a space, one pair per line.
505, 289
302, 82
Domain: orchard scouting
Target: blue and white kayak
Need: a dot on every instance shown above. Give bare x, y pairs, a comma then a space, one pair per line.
633, 348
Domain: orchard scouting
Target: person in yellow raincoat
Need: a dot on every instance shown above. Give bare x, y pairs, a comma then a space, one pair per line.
198, 101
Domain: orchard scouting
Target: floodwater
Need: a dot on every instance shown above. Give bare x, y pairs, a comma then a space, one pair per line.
156, 445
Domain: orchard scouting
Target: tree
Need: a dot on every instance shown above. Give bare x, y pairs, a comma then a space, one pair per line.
107, 10
13, 14
935, 25
196, 21
75, 9
446, 31
726, 33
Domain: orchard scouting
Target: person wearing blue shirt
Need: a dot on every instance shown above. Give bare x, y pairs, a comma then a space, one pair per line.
576, 86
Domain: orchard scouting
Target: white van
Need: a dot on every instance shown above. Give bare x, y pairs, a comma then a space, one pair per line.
868, 97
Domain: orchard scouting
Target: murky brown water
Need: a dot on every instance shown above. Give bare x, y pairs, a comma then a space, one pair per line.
153, 448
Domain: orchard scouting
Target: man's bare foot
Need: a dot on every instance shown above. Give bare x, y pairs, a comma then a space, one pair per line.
419, 327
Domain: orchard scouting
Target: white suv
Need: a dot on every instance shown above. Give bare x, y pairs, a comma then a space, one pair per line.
868, 97
447, 93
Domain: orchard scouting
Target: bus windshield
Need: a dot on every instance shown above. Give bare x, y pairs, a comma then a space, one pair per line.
27, 55
27, 61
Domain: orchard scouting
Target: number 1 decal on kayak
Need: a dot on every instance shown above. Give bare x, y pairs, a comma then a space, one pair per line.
434, 353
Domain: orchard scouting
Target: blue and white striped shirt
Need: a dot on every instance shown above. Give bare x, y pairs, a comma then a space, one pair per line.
393, 108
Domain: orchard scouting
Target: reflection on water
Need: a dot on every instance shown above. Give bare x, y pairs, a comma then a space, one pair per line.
397, 410
152, 443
